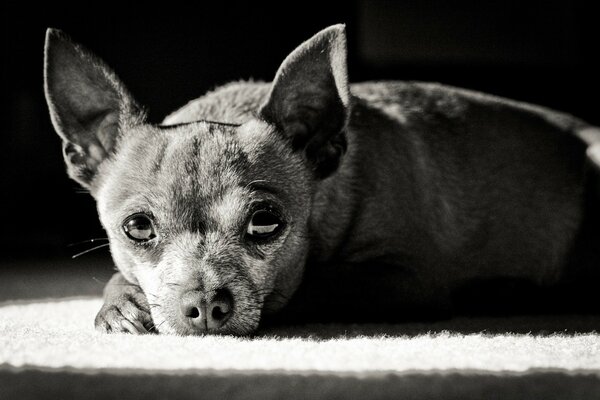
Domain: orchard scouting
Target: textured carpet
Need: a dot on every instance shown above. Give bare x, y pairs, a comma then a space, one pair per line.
48, 349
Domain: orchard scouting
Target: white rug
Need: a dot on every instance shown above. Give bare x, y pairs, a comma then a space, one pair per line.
56, 339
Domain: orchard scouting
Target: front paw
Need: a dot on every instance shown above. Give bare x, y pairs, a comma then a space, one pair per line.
127, 312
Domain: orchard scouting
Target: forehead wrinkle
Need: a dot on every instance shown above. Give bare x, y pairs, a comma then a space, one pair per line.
161, 148
212, 158
198, 169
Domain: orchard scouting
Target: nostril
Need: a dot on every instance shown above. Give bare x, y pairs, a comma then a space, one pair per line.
192, 312
221, 309
220, 312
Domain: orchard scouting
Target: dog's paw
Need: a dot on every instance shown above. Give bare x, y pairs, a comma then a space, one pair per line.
127, 312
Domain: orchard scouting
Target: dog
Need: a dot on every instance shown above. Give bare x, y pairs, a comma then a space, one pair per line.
372, 196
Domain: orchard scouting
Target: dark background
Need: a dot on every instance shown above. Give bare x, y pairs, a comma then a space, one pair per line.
168, 54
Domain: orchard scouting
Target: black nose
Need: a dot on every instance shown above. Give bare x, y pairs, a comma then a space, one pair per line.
204, 312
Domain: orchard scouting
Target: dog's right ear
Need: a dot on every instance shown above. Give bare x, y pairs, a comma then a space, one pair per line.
87, 105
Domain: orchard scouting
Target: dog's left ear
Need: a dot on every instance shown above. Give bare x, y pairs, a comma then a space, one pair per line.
309, 100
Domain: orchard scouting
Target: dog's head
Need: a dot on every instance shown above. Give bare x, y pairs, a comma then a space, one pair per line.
210, 219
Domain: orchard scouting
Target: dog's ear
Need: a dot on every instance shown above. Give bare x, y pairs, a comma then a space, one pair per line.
309, 100
87, 104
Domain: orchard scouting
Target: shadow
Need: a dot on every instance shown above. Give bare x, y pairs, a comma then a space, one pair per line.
539, 325
502, 306
27, 384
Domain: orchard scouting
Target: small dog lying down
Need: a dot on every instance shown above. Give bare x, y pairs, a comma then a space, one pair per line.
379, 195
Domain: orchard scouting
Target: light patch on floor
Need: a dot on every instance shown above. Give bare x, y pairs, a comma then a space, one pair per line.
60, 334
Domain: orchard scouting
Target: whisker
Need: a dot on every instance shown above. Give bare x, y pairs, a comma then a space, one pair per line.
113, 284
151, 328
173, 284
279, 294
155, 327
274, 292
125, 284
89, 250
86, 241
98, 280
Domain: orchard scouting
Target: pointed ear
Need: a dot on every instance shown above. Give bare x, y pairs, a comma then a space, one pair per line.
87, 103
309, 100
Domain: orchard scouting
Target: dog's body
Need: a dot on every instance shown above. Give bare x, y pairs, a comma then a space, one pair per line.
453, 211
393, 195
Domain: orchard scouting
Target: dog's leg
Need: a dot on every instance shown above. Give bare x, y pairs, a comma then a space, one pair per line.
125, 308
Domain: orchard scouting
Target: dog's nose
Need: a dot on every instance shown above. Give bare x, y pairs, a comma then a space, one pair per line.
204, 312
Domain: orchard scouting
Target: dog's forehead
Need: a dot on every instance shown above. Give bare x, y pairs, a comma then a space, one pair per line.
206, 152
206, 157
199, 173
178, 170
214, 156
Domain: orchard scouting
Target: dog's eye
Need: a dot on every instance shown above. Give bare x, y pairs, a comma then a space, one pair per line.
263, 224
139, 227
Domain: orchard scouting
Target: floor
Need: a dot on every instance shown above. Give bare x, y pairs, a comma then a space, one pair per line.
48, 349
